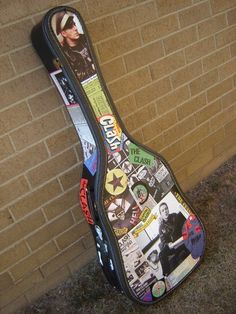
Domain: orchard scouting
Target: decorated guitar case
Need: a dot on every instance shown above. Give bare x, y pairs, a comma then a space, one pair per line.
147, 235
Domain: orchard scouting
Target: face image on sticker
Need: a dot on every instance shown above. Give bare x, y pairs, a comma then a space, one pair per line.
70, 35
141, 192
116, 182
158, 289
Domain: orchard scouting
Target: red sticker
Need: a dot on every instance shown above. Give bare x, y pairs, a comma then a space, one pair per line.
84, 201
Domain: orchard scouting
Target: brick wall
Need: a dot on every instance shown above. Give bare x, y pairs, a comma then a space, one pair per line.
170, 66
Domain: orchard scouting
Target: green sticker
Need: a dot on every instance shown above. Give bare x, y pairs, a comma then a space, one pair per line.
96, 96
158, 289
139, 156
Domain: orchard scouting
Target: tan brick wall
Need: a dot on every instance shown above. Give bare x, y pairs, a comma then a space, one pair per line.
170, 66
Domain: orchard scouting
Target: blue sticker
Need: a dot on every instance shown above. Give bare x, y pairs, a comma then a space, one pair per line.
91, 163
193, 236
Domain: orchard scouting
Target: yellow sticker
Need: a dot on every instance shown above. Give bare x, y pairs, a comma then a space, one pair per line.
98, 99
116, 182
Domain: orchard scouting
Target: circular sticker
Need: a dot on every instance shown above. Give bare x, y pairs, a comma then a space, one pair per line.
116, 182
141, 192
158, 289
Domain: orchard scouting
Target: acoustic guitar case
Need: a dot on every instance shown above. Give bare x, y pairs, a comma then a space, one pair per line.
148, 236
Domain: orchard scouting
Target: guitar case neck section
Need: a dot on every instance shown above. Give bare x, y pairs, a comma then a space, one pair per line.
147, 234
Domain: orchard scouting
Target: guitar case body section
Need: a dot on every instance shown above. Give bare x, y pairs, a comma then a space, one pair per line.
147, 234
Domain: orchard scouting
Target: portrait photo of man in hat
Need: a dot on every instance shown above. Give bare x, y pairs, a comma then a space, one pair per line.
74, 44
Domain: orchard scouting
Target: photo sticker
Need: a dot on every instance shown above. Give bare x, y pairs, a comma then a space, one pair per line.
69, 33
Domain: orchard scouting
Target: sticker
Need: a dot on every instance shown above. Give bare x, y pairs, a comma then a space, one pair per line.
123, 213
84, 202
91, 163
158, 289
127, 167
99, 232
75, 47
141, 192
145, 214
127, 243
139, 156
193, 236
182, 202
116, 182
138, 230
111, 264
148, 296
98, 100
161, 173
99, 257
120, 232
153, 257
63, 88
112, 132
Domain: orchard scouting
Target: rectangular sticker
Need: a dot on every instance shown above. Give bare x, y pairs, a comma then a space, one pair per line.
98, 100
139, 156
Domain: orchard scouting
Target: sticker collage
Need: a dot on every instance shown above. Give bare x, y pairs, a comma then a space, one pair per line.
159, 237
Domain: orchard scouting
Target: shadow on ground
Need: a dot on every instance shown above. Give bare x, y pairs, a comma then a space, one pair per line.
210, 289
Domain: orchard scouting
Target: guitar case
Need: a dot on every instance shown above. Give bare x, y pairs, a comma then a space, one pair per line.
148, 236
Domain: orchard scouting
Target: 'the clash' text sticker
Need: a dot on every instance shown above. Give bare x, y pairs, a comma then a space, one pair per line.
139, 156
112, 132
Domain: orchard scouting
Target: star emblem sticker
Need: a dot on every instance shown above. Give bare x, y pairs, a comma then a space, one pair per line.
116, 182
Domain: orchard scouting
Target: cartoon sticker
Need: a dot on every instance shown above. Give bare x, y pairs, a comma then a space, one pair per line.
116, 182
123, 212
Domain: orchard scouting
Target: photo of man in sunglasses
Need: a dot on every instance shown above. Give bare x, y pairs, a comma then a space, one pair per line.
74, 45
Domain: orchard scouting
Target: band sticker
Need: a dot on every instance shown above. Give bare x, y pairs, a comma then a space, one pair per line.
158, 289
148, 296
91, 163
193, 236
145, 214
84, 202
98, 100
138, 230
111, 132
161, 173
139, 156
140, 191
116, 182
182, 202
